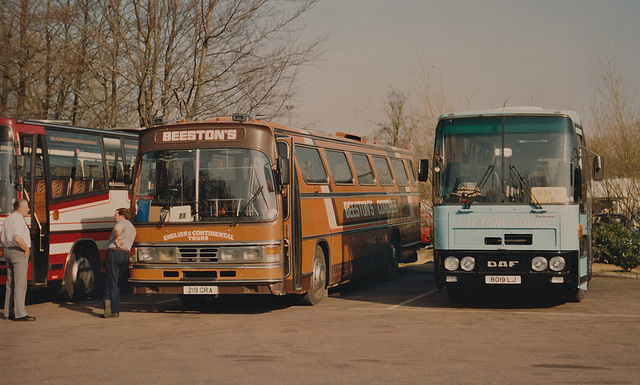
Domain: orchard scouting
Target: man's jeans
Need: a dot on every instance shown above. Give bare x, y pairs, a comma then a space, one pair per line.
115, 264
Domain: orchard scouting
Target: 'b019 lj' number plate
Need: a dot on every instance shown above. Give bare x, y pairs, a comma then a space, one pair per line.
503, 280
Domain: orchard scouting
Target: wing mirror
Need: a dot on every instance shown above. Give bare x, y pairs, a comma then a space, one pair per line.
423, 172
598, 168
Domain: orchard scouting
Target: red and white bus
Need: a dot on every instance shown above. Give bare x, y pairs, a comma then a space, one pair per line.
74, 179
234, 206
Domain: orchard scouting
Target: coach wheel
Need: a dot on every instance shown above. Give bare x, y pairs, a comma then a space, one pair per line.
81, 276
318, 279
413, 257
575, 295
391, 270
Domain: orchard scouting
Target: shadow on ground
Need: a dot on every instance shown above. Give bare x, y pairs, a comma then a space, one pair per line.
415, 288
227, 304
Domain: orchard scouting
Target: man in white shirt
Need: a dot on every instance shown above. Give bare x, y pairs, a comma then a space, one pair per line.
16, 240
120, 242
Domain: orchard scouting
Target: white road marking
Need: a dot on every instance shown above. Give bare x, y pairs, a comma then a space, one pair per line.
401, 306
412, 299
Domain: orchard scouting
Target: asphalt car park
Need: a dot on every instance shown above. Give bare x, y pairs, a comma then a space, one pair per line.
402, 331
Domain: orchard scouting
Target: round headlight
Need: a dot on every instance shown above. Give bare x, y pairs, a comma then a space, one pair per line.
451, 263
557, 263
539, 263
468, 263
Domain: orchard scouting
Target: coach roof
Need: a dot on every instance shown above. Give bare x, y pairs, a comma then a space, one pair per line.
514, 111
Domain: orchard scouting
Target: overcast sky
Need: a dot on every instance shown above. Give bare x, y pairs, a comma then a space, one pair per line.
545, 51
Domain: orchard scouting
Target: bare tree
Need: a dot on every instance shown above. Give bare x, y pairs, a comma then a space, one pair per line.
8, 65
244, 57
436, 99
400, 123
406, 127
111, 62
229, 55
23, 53
617, 136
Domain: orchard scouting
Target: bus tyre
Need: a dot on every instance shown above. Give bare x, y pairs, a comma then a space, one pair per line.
81, 276
575, 295
391, 269
413, 257
318, 279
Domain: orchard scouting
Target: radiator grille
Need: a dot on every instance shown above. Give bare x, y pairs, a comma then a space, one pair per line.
197, 254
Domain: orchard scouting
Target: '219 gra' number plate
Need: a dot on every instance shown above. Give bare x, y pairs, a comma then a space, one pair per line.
503, 280
200, 290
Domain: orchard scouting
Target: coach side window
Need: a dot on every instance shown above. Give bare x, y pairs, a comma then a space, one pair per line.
311, 165
339, 167
363, 169
76, 163
115, 161
130, 152
384, 172
400, 172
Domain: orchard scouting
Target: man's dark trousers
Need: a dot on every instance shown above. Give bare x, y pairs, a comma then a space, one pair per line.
115, 264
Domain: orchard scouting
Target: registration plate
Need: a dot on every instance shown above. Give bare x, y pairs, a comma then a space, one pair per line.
200, 290
503, 279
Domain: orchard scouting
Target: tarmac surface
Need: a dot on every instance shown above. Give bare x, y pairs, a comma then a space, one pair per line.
369, 332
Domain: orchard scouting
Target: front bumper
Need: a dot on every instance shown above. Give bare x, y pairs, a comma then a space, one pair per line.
508, 264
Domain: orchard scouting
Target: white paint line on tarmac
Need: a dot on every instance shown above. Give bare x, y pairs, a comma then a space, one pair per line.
502, 311
412, 299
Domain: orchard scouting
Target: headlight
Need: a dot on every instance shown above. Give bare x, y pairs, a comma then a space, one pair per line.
230, 255
451, 263
145, 254
269, 254
156, 254
253, 254
539, 263
468, 263
557, 263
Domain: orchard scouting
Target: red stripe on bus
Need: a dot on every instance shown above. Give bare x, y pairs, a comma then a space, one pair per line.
100, 235
80, 201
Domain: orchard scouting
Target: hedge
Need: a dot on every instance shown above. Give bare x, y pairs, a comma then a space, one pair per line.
616, 244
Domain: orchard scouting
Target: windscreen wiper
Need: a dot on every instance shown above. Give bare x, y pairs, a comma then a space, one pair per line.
164, 214
483, 181
244, 209
525, 186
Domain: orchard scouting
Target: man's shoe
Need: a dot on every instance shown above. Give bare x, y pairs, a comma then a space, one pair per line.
107, 309
26, 318
114, 315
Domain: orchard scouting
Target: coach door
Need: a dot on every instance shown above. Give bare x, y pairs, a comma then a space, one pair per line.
35, 189
291, 213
